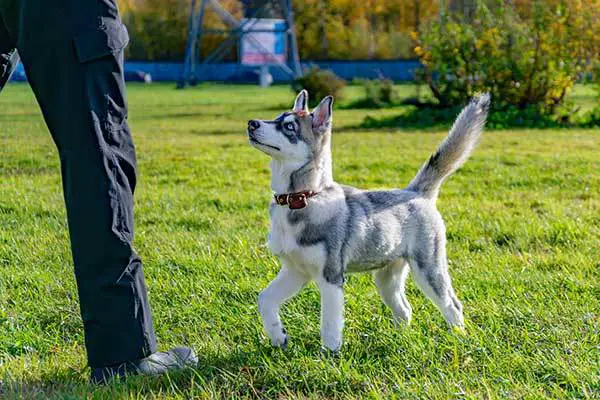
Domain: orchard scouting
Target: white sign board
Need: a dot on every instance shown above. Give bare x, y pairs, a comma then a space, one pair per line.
270, 38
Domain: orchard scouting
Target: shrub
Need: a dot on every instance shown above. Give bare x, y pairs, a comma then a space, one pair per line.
319, 83
523, 63
379, 93
510, 117
593, 117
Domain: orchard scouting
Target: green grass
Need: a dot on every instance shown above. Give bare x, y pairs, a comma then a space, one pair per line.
523, 222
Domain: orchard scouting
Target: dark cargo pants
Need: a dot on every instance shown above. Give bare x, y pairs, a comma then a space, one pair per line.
72, 51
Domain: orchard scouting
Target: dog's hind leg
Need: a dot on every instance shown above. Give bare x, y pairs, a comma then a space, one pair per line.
286, 285
390, 282
430, 270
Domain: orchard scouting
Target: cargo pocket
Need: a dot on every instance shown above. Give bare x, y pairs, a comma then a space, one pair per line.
99, 51
109, 37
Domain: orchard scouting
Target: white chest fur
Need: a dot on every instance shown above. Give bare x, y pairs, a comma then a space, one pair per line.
283, 235
283, 242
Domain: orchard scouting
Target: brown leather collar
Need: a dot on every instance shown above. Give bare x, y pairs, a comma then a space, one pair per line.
295, 201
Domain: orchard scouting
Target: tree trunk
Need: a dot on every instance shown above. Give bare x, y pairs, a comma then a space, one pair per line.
417, 16
464, 7
323, 30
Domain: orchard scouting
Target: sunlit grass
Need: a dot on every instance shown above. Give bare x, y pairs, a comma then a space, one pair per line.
523, 221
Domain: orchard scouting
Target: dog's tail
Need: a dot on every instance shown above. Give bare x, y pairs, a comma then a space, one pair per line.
454, 150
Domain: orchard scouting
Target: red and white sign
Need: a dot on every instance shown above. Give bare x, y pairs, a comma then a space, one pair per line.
267, 46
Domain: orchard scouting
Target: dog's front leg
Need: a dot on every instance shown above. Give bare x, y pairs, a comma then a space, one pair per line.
332, 314
287, 284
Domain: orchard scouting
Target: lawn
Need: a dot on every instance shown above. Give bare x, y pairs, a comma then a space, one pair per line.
523, 224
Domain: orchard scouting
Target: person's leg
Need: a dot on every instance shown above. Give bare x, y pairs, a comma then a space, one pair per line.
9, 58
78, 81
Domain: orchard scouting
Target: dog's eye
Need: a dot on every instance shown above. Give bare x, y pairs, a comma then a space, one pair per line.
289, 126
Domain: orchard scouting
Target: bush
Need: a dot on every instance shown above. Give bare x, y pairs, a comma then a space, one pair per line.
510, 117
593, 117
379, 93
523, 63
319, 83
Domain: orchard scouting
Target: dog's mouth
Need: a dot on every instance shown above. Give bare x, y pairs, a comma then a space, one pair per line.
254, 141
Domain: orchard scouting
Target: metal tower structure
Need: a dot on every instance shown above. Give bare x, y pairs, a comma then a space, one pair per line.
237, 30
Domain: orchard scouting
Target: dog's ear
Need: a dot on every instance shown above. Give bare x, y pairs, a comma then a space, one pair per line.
322, 115
301, 103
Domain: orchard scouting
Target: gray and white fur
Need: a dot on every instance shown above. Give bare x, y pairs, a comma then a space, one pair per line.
345, 230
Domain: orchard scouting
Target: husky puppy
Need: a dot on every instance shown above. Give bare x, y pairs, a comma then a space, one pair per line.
321, 230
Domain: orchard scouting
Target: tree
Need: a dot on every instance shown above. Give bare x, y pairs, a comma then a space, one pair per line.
523, 62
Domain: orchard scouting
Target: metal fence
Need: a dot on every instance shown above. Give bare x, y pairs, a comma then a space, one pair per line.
397, 70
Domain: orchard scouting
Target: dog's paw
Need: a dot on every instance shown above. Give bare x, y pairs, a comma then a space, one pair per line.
280, 339
332, 345
281, 342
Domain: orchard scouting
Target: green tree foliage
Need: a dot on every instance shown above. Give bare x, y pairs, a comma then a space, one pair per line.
159, 28
369, 29
526, 55
327, 29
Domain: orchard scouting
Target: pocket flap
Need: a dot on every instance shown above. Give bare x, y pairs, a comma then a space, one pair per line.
109, 37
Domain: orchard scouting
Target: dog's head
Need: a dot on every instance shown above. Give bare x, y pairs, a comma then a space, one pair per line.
297, 135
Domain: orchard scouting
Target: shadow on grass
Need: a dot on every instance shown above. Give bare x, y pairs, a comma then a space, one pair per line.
180, 115
221, 132
235, 373
507, 118
367, 104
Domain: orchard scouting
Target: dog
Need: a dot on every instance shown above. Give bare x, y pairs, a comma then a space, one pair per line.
321, 230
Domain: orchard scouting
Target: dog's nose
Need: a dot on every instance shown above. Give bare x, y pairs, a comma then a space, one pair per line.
253, 125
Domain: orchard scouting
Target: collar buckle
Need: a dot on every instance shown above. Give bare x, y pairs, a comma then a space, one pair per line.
295, 201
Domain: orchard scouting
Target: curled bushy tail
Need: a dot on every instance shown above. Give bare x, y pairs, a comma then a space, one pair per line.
454, 150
